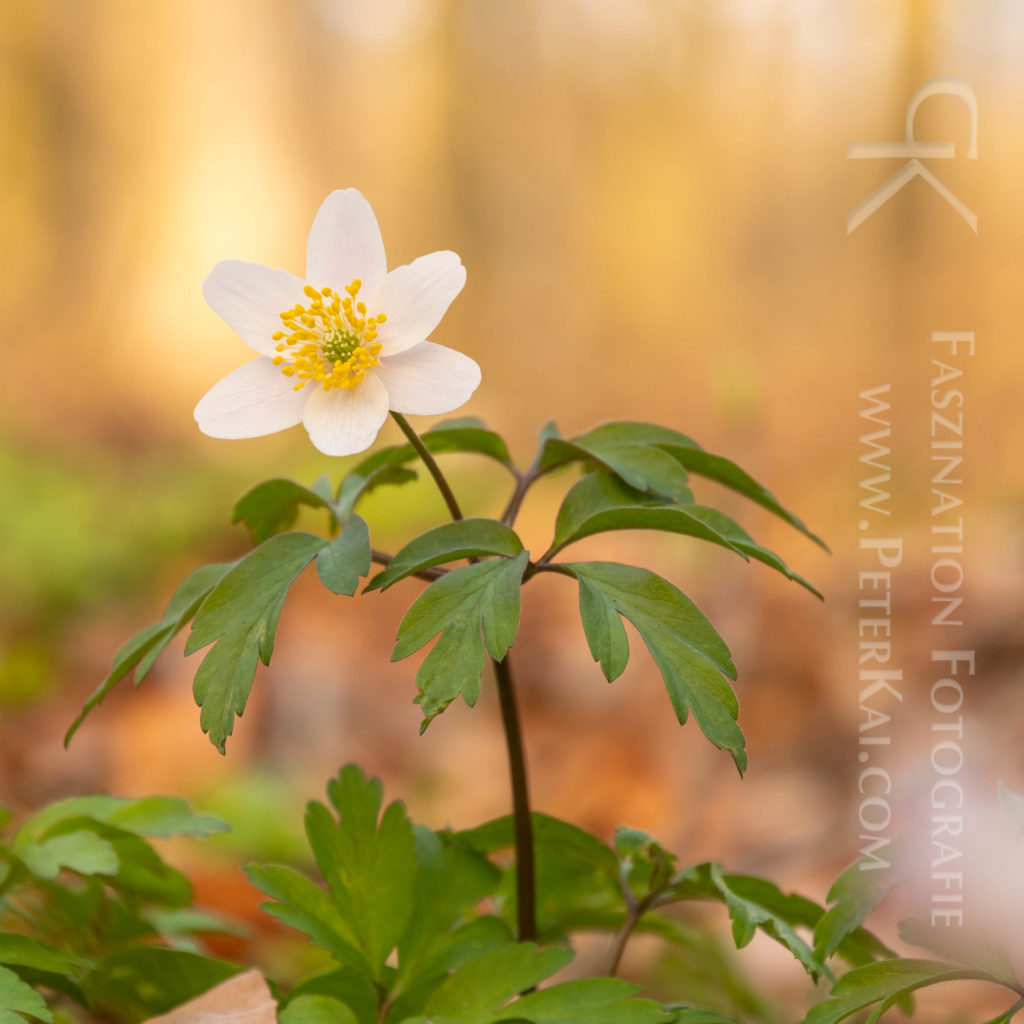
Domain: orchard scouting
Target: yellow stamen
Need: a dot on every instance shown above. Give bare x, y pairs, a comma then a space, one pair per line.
331, 341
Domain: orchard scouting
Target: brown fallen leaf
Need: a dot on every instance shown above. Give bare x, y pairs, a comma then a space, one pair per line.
243, 999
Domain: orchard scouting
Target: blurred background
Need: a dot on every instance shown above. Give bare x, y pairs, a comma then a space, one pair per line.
650, 198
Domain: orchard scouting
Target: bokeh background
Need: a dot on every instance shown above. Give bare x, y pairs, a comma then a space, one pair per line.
650, 199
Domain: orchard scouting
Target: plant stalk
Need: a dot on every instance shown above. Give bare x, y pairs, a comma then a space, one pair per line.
526, 885
522, 822
428, 460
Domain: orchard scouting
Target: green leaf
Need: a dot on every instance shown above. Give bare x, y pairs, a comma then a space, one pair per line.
590, 1001
147, 980
755, 903
723, 471
465, 538
17, 997
157, 816
477, 991
303, 905
646, 864
316, 1010
23, 951
548, 833
240, 617
628, 454
855, 893
387, 466
162, 817
83, 852
142, 650
576, 876
369, 867
602, 624
742, 542
451, 879
273, 506
352, 988
466, 434
690, 1015
384, 466
600, 502
885, 983
460, 604
340, 564
691, 656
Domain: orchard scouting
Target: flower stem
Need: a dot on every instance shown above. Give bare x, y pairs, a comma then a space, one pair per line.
526, 886
428, 460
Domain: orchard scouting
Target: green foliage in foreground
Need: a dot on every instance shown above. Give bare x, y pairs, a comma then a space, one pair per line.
420, 924
423, 926
83, 900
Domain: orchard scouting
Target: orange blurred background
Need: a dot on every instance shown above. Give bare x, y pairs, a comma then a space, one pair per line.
650, 199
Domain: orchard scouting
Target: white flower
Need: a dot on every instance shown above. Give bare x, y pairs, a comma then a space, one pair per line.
343, 347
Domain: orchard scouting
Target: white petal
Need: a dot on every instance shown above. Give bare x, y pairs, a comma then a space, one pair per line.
345, 243
250, 298
254, 400
414, 298
344, 422
428, 379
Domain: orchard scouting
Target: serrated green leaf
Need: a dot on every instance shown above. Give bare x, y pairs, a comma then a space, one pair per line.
477, 991
303, 905
727, 473
483, 597
17, 997
753, 904
340, 564
83, 852
148, 980
316, 1010
240, 617
141, 651
451, 879
855, 893
369, 867
465, 538
589, 1001
273, 506
692, 657
884, 983
606, 636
